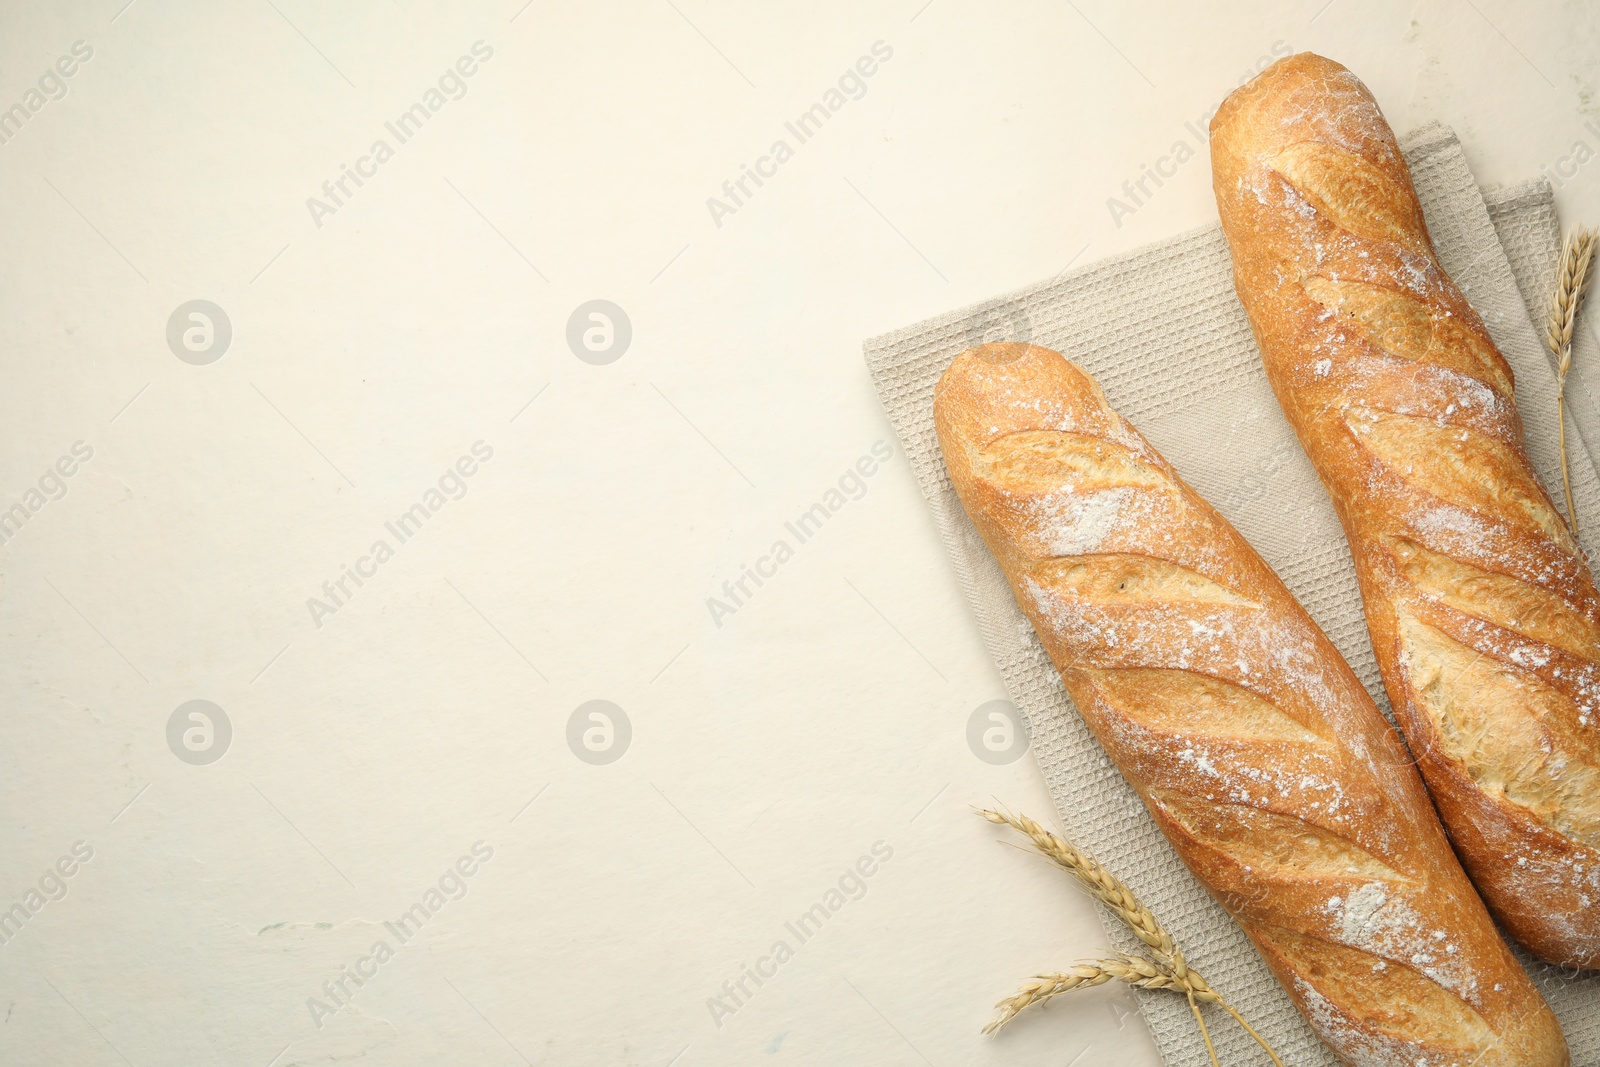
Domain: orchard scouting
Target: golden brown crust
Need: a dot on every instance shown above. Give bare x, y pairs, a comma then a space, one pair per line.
1252, 743
1481, 606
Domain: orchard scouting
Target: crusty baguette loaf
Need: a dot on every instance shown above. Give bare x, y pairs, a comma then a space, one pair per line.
1481, 607
1250, 740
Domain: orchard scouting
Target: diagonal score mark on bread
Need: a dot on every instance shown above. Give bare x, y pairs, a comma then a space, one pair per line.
1407, 328
1068, 488
1052, 459
1459, 466
1181, 703
1401, 1002
1103, 578
1498, 599
1351, 193
1252, 837
1468, 696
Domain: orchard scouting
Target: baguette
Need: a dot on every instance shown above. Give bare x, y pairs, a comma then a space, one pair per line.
1482, 611
1251, 742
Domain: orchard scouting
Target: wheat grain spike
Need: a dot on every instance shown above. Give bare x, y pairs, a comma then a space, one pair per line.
1129, 969
1572, 277
1101, 884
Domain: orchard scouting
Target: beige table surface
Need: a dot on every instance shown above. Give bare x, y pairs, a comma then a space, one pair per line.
795, 748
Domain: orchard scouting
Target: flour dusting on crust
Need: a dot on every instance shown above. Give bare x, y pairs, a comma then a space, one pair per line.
1075, 523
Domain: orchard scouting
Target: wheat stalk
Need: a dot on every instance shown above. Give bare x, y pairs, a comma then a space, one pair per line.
1572, 277
1164, 969
1125, 967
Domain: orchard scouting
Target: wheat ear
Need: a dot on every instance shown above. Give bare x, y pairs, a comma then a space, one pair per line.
1166, 967
1124, 967
1572, 277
